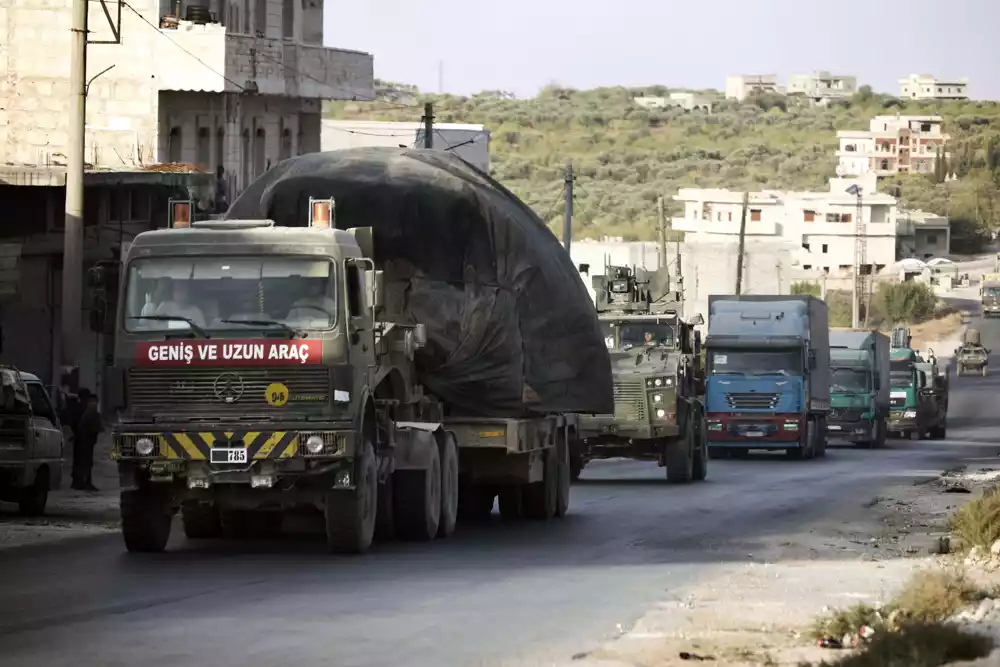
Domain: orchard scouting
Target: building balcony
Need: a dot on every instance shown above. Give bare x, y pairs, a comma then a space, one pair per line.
210, 59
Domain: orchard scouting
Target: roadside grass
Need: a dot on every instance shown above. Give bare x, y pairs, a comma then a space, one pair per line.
912, 630
977, 523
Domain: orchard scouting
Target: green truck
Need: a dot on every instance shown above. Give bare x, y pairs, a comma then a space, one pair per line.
658, 378
918, 394
859, 386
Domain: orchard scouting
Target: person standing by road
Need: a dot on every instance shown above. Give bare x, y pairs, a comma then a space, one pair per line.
86, 432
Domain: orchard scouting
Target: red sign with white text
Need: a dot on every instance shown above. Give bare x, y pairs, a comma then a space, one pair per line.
229, 353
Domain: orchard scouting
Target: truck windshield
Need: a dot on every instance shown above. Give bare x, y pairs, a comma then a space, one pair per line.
900, 374
217, 293
849, 380
992, 292
646, 333
755, 362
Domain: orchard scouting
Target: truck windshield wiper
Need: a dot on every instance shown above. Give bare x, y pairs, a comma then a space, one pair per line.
174, 318
292, 333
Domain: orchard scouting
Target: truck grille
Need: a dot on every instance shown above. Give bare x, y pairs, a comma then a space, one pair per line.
897, 401
196, 391
751, 401
630, 400
845, 414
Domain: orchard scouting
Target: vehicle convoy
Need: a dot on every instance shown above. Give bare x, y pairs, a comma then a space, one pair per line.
971, 356
658, 378
768, 384
918, 392
859, 386
989, 294
31, 442
388, 376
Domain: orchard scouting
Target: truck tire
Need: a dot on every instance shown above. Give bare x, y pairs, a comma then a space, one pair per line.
882, 433
350, 515
984, 371
679, 456
701, 458
146, 519
511, 503
449, 485
563, 488
201, 521
807, 447
32, 499
538, 499
385, 523
417, 500
575, 462
958, 370
475, 502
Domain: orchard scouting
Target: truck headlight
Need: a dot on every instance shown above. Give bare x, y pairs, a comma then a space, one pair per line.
144, 446
314, 444
910, 414
658, 382
661, 413
657, 398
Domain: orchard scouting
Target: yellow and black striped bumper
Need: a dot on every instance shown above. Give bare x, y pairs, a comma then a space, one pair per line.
197, 445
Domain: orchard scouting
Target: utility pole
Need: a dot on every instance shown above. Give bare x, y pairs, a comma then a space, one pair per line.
72, 269
858, 297
661, 220
429, 125
743, 235
568, 207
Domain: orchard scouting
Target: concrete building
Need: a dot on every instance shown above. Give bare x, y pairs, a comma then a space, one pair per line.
739, 86
820, 224
892, 145
679, 100
469, 142
822, 86
230, 83
923, 235
927, 87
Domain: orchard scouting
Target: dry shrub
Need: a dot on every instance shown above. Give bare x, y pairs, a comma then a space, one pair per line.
918, 645
936, 595
977, 524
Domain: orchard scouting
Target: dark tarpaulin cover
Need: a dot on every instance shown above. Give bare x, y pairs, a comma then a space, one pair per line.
511, 328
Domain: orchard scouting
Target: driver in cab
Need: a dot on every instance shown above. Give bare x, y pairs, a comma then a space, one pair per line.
180, 304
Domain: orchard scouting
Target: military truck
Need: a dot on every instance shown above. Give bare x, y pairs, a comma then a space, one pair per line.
918, 391
971, 355
261, 370
989, 294
658, 378
768, 384
859, 386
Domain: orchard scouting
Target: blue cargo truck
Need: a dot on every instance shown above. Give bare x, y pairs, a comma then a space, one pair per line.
768, 381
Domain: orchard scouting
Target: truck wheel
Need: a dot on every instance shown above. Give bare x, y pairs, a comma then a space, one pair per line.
201, 521
350, 515
385, 524
511, 503
449, 485
539, 498
33, 499
882, 433
475, 502
563, 487
958, 370
984, 371
701, 459
146, 519
575, 463
417, 500
679, 456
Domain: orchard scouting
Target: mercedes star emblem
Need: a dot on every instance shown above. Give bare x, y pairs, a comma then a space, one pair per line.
228, 387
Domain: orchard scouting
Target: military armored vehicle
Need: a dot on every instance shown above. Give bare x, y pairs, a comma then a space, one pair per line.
658, 378
971, 356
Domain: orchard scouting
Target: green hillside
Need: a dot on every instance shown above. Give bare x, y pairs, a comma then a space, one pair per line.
626, 156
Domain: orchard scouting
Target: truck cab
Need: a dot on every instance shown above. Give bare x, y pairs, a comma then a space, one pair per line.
918, 397
656, 365
989, 292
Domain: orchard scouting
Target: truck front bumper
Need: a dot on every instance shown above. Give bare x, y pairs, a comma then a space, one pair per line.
754, 431
899, 421
608, 429
859, 431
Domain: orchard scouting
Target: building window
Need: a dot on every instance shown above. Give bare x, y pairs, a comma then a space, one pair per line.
260, 17
220, 147
805, 246
932, 239
825, 248
288, 19
755, 214
807, 267
885, 165
730, 214
245, 157
846, 217
259, 152
204, 148
809, 216
285, 150
175, 145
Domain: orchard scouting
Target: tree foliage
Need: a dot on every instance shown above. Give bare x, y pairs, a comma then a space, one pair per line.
625, 156
903, 303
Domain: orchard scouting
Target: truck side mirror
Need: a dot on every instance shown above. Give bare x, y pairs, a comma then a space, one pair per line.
375, 288
922, 379
420, 335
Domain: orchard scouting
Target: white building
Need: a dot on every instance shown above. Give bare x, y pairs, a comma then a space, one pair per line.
892, 145
822, 86
927, 87
821, 224
681, 100
740, 86
231, 83
923, 235
469, 142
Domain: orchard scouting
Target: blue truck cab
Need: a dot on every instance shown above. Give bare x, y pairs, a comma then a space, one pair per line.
768, 375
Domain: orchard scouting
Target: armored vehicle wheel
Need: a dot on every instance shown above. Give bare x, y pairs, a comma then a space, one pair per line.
201, 521
350, 515
511, 503
449, 485
679, 457
417, 500
563, 486
984, 371
958, 370
146, 519
33, 499
701, 456
475, 502
539, 498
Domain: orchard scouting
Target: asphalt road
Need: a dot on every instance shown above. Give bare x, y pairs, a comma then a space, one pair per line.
495, 594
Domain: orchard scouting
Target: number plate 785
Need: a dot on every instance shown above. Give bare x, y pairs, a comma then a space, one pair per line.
229, 455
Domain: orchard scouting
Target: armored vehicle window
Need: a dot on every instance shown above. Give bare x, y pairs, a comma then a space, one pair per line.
295, 291
40, 405
755, 362
646, 333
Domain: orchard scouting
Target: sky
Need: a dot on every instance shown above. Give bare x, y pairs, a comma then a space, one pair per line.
523, 45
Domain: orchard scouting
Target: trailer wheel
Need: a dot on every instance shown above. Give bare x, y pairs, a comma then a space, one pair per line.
146, 519
417, 500
350, 515
449, 485
32, 499
563, 487
201, 521
511, 503
539, 498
